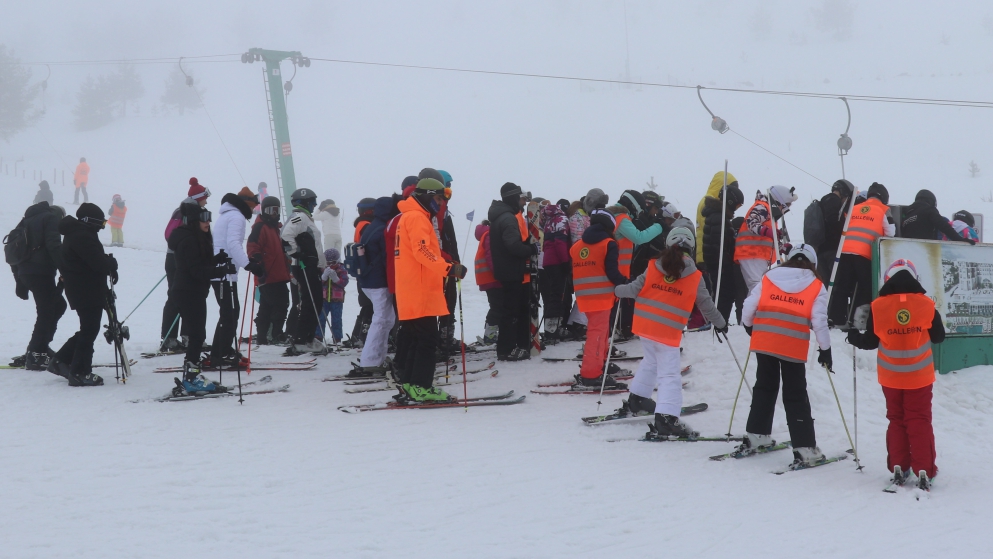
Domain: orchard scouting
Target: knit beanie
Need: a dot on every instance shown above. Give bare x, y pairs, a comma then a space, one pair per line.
332, 255
510, 191
91, 214
249, 197
604, 219
197, 190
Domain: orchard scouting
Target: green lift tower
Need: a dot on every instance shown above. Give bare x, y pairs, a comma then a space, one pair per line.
279, 126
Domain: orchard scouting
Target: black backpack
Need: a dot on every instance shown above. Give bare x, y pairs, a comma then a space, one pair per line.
813, 224
17, 245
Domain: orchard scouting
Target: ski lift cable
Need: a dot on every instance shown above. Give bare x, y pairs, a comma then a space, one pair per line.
770, 152
189, 83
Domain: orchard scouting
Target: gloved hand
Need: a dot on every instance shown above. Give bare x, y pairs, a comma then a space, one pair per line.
224, 268
535, 249
457, 270
748, 330
256, 268
785, 248
21, 291
113, 276
824, 358
329, 274
854, 338
221, 257
722, 330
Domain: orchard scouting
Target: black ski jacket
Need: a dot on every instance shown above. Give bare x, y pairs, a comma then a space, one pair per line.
85, 267
833, 207
921, 220
46, 244
510, 254
712, 234
194, 260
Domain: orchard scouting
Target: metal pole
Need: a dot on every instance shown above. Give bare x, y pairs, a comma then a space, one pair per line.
720, 260
610, 349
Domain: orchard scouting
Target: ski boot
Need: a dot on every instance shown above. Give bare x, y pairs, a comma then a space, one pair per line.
417, 393
805, 457
195, 383
615, 371
171, 345
517, 354
57, 367
490, 334
610, 383
752, 443
671, 426
19, 361
924, 482
231, 360
900, 477
637, 406
88, 379
623, 337
35, 361
313, 346
382, 370
552, 334
614, 353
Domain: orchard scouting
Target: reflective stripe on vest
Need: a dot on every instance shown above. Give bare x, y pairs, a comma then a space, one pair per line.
625, 249
865, 227
749, 246
664, 305
117, 220
594, 290
902, 322
483, 273
782, 323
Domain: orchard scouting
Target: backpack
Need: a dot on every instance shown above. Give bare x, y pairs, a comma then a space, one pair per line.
17, 245
352, 261
813, 224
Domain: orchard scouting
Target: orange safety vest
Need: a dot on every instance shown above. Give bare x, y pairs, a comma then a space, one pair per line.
625, 249
864, 228
522, 224
663, 306
782, 321
116, 219
484, 274
594, 290
82, 174
358, 231
749, 246
902, 321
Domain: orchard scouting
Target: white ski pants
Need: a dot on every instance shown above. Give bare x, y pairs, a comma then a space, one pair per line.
752, 269
660, 367
378, 337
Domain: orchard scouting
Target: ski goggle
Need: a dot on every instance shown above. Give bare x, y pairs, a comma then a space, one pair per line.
204, 194
204, 216
271, 210
93, 221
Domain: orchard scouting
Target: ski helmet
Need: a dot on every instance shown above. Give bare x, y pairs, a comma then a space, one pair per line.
304, 197
680, 236
633, 201
270, 206
429, 173
652, 199
965, 217
366, 206
805, 251
91, 214
844, 187
782, 195
670, 211
447, 178
879, 192
605, 219
900, 265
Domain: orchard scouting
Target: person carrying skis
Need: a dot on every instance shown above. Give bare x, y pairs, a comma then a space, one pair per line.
511, 250
115, 218
329, 216
634, 228
779, 314
870, 221
229, 237
80, 179
664, 298
44, 194
903, 324
754, 248
595, 272
265, 248
36, 275
721, 272
196, 267
305, 249
420, 271
921, 220
373, 275
487, 283
171, 322
334, 278
85, 269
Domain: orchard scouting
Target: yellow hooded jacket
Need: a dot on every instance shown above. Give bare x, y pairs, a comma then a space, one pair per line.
716, 184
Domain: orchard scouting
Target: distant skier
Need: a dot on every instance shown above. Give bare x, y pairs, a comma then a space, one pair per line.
265, 248
80, 179
921, 220
85, 269
262, 195
779, 314
115, 218
44, 194
964, 224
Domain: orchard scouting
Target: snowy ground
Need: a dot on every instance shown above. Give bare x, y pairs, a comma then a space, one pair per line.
90, 474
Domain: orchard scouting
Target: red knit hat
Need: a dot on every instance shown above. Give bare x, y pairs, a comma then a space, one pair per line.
197, 190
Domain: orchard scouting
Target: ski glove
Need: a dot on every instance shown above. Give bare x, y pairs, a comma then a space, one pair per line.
21, 291
113, 277
221, 257
854, 338
457, 270
256, 268
224, 268
722, 330
535, 249
824, 358
748, 330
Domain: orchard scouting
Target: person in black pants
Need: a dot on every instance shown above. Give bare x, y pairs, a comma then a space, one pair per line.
196, 266
85, 269
719, 269
511, 251
36, 275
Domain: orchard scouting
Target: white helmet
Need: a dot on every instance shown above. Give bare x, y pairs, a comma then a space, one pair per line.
680, 236
805, 251
669, 210
899, 265
782, 195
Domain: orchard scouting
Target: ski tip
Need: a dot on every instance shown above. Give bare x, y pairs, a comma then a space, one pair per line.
349, 409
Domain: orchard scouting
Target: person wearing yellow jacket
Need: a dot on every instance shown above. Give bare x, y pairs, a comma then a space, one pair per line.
420, 290
713, 190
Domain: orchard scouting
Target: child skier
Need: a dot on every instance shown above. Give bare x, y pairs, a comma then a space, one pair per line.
779, 313
962, 222
903, 324
487, 283
335, 278
115, 218
664, 298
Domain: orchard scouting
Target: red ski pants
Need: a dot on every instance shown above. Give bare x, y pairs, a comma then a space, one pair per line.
597, 341
910, 436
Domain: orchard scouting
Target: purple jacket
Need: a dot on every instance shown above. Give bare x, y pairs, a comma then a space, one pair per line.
555, 245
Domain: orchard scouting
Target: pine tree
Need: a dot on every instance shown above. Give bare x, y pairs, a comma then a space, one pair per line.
125, 85
17, 97
94, 107
973, 169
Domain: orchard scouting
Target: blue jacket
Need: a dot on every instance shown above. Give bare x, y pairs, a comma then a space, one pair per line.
373, 239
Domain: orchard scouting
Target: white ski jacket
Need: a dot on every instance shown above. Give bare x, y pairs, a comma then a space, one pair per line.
228, 231
301, 222
793, 280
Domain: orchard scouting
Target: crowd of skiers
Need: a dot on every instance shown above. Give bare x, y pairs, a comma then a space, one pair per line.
599, 271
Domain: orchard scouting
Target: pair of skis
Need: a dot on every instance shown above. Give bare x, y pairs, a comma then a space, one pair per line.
261, 366
178, 394
505, 399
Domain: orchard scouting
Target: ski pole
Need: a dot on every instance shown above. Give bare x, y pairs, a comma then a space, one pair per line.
465, 389
741, 382
855, 451
248, 369
610, 349
313, 303
241, 329
720, 259
169, 331
142, 301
